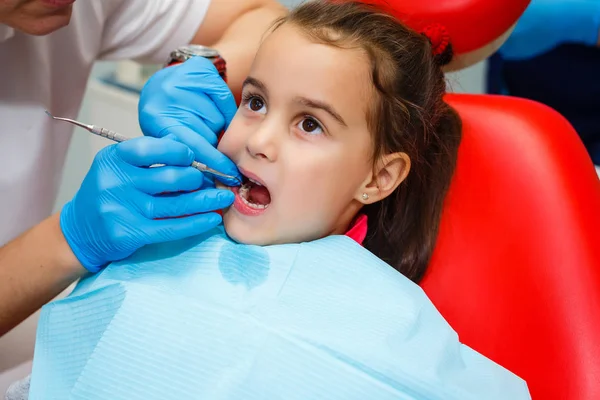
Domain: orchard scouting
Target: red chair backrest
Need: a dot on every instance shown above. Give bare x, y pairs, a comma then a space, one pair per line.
516, 270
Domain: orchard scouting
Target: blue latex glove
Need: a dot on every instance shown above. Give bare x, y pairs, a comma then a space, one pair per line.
113, 213
191, 101
547, 24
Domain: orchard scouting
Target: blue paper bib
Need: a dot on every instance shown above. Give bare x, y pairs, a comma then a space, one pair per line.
206, 318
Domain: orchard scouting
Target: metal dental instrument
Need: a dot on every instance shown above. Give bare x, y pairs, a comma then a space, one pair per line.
117, 137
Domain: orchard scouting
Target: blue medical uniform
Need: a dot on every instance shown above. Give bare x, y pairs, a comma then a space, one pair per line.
566, 78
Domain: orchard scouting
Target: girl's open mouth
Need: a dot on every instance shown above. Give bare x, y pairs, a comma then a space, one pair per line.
252, 198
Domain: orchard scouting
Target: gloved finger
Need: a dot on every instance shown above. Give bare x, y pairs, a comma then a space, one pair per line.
183, 204
200, 128
209, 182
171, 136
167, 179
207, 154
147, 151
212, 85
204, 117
166, 230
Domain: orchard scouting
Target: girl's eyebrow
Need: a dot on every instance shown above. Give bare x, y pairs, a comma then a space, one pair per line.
256, 83
321, 105
301, 100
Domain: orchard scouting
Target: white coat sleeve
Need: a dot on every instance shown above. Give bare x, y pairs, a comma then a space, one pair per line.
148, 30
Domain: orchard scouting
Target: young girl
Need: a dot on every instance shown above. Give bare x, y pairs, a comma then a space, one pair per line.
343, 131
343, 122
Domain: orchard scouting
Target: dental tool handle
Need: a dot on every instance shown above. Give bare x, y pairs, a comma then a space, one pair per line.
202, 167
117, 137
107, 133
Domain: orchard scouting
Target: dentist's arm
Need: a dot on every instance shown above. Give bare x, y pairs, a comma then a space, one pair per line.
235, 28
34, 268
118, 209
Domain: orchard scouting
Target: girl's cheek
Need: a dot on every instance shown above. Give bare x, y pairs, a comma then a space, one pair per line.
225, 142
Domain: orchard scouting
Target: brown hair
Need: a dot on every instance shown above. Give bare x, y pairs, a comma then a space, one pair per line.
409, 115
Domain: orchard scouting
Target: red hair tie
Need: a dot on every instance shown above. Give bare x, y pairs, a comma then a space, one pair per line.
438, 36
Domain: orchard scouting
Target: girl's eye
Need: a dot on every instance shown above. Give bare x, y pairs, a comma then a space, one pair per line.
310, 126
256, 104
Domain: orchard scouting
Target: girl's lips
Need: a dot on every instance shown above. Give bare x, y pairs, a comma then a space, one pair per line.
243, 208
253, 177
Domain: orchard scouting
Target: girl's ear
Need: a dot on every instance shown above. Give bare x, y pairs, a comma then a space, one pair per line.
389, 172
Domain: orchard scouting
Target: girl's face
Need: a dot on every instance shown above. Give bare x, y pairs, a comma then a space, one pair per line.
301, 133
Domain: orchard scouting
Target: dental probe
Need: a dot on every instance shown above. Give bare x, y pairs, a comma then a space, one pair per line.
117, 137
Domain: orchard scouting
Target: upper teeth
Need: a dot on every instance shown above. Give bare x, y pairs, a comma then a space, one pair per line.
253, 181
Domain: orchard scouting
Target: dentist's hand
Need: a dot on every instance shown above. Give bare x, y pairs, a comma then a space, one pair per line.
115, 211
191, 101
547, 24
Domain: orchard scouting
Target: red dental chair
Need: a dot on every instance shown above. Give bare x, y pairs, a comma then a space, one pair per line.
516, 270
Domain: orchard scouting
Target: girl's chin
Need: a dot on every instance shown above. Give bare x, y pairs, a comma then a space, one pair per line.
239, 231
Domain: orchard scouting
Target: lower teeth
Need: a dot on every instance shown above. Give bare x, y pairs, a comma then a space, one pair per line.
244, 191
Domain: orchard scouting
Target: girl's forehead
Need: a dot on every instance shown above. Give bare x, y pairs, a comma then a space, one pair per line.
293, 41
291, 58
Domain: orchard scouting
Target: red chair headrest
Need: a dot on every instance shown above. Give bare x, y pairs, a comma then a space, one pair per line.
472, 24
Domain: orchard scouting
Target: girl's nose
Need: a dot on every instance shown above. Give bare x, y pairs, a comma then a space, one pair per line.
263, 143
